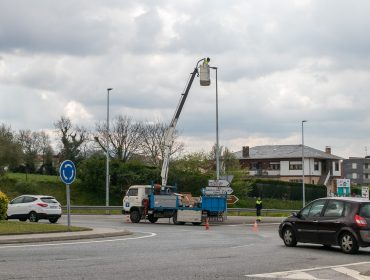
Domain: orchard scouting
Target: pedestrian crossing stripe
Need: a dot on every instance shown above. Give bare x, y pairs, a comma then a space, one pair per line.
302, 274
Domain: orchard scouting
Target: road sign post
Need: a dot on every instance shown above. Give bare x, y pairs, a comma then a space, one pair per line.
67, 173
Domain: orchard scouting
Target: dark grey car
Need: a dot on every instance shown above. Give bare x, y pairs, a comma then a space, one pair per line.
341, 221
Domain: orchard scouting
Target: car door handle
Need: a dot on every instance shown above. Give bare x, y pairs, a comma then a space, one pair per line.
315, 221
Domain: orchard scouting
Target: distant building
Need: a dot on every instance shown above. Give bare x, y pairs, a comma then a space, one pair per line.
284, 162
358, 170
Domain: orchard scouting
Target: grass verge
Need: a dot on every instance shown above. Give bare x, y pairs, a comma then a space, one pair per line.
13, 227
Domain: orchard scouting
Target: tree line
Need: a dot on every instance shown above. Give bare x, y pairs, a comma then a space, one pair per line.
136, 152
30, 151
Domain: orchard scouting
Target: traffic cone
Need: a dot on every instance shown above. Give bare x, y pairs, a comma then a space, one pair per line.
255, 226
207, 225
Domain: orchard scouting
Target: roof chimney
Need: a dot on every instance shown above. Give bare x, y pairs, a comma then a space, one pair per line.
245, 151
328, 150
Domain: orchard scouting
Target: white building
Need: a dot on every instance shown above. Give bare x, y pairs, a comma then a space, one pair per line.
284, 162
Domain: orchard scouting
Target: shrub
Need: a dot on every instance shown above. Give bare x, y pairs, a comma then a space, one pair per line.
3, 205
286, 190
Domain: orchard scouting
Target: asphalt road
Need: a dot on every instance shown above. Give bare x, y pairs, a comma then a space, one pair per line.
165, 251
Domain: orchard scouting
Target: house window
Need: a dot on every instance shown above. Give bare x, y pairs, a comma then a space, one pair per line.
366, 176
295, 165
366, 166
255, 166
295, 180
354, 165
354, 175
316, 165
336, 166
275, 166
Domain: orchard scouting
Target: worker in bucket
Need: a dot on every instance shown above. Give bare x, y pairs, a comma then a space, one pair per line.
258, 209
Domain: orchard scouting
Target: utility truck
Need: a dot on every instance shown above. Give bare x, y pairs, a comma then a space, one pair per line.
162, 201
152, 202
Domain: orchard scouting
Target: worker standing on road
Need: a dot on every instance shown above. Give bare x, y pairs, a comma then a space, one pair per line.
258, 208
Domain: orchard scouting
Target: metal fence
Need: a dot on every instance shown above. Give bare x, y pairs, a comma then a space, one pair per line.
238, 211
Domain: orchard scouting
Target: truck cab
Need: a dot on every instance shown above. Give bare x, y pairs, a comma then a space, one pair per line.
134, 201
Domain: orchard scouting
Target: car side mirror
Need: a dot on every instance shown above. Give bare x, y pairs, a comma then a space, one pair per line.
295, 214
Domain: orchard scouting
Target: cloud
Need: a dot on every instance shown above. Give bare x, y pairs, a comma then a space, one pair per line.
278, 63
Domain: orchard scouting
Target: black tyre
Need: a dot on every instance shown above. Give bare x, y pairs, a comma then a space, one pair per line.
33, 217
53, 220
289, 237
152, 219
23, 219
348, 243
135, 216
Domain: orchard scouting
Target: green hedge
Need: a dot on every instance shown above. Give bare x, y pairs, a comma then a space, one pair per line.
3, 205
286, 190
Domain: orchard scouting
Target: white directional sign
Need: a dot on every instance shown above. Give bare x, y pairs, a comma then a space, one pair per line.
218, 190
365, 192
218, 183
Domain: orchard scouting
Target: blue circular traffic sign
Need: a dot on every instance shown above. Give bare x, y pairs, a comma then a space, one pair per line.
67, 172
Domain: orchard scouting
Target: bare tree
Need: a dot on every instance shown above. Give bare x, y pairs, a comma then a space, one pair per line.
124, 137
153, 142
72, 138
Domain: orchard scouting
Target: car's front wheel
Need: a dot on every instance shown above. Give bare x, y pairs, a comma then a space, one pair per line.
348, 243
289, 237
33, 217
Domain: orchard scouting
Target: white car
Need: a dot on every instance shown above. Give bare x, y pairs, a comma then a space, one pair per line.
34, 208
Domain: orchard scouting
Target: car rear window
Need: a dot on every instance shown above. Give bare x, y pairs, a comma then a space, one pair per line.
49, 200
28, 199
365, 210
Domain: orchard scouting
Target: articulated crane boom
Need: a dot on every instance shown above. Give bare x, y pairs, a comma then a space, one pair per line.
168, 140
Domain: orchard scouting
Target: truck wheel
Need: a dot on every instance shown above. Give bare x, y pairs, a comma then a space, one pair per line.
152, 219
135, 216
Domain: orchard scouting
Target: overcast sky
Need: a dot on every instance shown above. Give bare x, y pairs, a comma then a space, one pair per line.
279, 62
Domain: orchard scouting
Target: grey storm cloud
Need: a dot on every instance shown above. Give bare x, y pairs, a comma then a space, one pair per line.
278, 63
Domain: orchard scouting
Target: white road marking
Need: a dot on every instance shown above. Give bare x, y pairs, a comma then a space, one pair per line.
291, 274
151, 234
352, 273
241, 246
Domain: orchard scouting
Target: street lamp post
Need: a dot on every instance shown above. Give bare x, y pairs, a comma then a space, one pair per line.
303, 187
107, 153
217, 139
